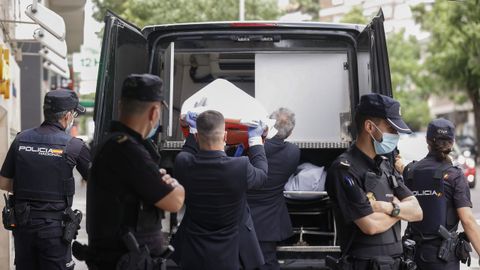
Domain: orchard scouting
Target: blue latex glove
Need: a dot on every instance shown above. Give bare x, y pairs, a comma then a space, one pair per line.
255, 134
191, 119
255, 131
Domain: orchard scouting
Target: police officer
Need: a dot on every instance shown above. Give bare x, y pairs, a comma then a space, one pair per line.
369, 198
444, 196
38, 170
128, 191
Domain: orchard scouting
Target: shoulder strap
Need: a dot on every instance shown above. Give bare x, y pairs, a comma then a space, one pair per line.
440, 171
411, 167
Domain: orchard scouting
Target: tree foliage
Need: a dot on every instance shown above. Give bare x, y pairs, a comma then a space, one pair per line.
309, 7
150, 12
407, 83
405, 67
355, 15
453, 51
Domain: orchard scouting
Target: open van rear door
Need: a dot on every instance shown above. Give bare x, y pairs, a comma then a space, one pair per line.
372, 58
124, 51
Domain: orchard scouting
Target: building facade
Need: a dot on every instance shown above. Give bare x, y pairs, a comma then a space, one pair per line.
398, 13
24, 81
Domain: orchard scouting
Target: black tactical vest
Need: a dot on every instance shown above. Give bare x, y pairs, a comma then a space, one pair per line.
379, 187
42, 172
425, 179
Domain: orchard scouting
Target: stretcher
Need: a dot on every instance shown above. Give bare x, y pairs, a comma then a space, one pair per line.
239, 109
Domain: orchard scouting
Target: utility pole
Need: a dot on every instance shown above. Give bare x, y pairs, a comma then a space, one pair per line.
242, 10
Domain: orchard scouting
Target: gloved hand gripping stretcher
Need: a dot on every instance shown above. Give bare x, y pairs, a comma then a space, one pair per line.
239, 109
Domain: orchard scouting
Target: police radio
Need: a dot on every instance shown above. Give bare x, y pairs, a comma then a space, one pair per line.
8, 213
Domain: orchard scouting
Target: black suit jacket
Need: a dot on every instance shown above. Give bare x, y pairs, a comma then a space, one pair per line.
217, 230
267, 204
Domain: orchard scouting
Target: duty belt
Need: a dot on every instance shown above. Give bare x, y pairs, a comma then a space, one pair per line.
430, 239
57, 215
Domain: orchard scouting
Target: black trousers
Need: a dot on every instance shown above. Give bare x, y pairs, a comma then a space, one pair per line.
426, 259
269, 250
39, 246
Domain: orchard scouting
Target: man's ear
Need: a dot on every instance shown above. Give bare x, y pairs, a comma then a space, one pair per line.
367, 126
152, 112
67, 116
225, 136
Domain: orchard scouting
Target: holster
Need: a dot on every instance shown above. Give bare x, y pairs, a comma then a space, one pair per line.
73, 218
22, 213
385, 263
341, 263
137, 261
137, 257
463, 249
446, 251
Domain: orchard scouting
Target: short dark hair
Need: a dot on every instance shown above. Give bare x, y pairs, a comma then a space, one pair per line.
208, 124
129, 106
54, 117
360, 121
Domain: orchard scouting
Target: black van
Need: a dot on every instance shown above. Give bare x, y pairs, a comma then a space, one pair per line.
318, 70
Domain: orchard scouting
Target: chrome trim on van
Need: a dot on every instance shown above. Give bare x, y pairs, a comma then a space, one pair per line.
177, 145
309, 248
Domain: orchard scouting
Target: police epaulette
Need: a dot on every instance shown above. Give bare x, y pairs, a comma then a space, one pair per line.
121, 138
345, 164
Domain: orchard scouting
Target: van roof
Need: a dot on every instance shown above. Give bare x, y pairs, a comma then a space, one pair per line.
252, 24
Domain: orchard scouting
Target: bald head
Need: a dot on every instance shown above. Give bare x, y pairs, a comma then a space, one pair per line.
211, 128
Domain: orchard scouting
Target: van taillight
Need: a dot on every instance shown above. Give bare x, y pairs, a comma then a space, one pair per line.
252, 24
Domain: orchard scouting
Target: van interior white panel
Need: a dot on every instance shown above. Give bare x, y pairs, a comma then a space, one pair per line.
364, 80
314, 86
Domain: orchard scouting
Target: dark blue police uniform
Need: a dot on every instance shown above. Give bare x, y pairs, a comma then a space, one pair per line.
124, 185
40, 162
353, 178
348, 185
217, 231
269, 211
440, 189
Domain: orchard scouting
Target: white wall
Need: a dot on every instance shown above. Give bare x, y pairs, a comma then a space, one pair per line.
9, 123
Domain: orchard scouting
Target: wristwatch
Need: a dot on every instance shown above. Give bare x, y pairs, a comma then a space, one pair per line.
395, 211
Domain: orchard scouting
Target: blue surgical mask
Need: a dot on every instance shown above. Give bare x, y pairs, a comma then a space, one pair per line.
153, 131
387, 145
